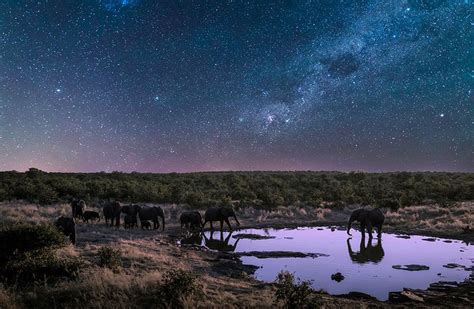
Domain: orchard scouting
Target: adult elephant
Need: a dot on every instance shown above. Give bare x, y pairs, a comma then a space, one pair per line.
112, 212
77, 208
220, 214
191, 219
367, 219
68, 227
152, 214
131, 210
367, 253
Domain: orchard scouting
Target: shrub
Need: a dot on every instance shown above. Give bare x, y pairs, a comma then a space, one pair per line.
294, 295
110, 257
393, 204
41, 265
19, 238
177, 286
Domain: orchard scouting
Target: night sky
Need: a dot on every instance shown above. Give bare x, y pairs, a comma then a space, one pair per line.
161, 86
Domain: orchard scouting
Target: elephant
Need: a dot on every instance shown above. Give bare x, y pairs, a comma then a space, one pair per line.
130, 221
78, 207
112, 211
90, 215
191, 219
367, 219
131, 210
146, 225
152, 214
68, 227
222, 244
219, 214
367, 253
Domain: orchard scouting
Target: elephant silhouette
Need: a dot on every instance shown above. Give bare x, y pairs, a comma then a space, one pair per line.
367, 253
222, 244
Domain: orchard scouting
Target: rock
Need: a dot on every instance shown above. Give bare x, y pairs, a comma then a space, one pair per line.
279, 254
338, 277
406, 295
429, 239
411, 267
252, 236
454, 265
412, 296
403, 236
357, 295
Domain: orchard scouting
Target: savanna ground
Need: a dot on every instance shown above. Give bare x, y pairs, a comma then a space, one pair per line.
222, 281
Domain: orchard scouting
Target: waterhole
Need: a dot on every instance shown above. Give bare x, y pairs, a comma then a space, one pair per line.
374, 267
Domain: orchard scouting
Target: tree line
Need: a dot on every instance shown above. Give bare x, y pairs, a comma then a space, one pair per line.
258, 189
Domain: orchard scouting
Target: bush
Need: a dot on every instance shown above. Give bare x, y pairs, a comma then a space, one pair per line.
19, 238
294, 295
41, 265
110, 257
177, 286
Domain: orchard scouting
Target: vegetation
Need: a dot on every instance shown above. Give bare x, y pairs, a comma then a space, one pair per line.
258, 189
28, 254
177, 286
294, 294
110, 257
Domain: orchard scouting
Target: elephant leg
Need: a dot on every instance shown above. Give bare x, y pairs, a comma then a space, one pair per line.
362, 230
379, 231
222, 223
204, 224
369, 229
212, 228
228, 223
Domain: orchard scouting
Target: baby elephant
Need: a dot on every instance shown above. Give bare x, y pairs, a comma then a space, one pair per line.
90, 215
130, 221
191, 219
146, 225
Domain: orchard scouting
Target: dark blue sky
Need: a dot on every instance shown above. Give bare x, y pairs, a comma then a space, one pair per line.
165, 86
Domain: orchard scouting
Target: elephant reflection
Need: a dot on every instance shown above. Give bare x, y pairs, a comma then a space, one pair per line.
222, 244
193, 239
367, 253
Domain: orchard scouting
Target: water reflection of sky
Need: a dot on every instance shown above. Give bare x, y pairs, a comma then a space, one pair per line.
369, 271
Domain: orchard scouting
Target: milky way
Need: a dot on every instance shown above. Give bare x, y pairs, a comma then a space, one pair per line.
160, 86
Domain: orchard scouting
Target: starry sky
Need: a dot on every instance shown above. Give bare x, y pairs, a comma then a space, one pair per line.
182, 86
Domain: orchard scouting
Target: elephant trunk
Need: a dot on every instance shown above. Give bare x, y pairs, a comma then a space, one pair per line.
235, 217
349, 227
72, 237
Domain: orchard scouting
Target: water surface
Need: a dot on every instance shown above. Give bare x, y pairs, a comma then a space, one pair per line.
366, 265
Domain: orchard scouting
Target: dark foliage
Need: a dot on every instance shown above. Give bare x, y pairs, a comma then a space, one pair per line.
43, 266
294, 294
259, 189
110, 257
177, 285
20, 238
27, 254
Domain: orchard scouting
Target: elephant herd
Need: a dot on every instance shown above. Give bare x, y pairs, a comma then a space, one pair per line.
150, 217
